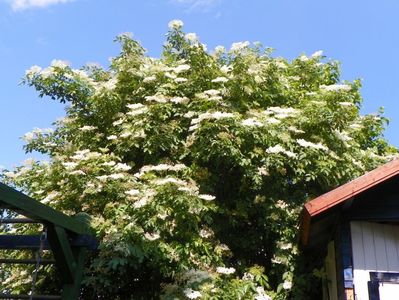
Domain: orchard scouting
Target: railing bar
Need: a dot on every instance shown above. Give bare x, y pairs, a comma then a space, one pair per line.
26, 261
35, 297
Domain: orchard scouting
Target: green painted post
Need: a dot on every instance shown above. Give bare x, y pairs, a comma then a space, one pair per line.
71, 291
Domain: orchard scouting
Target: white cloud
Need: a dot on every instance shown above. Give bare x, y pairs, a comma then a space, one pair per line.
198, 4
18, 5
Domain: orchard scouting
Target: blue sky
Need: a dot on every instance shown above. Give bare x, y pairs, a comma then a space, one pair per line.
362, 34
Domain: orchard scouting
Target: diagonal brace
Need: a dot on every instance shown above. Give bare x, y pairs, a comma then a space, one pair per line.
62, 251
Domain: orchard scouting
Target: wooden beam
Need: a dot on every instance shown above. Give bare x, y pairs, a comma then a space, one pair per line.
32, 242
34, 297
38, 211
26, 261
62, 251
21, 242
72, 290
304, 227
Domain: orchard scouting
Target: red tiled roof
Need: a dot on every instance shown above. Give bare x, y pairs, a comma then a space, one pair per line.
345, 192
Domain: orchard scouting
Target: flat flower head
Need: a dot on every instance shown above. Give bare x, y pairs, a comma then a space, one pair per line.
191, 294
59, 63
175, 24
207, 197
226, 271
192, 37
238, 47
33, 71
317, 54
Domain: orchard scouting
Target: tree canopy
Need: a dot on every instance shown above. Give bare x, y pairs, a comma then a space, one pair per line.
194, 166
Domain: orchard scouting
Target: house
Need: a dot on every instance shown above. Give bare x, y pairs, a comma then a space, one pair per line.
354, 229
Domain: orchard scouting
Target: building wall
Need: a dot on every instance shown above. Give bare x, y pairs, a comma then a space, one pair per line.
330, 285
375, 247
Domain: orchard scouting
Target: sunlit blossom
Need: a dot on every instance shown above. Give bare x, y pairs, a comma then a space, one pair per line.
317, 54
152, 236
59, 63
87, 128
206, 197
117, 176
34, 70
252, 122
227, 271
191, 294
192, 37
180, 79
70, 165
307, 144
77, 172
336, 87
132, 192
122, 167
157, 98
150, 78
175, 24
181, 68
287, 285
239, 46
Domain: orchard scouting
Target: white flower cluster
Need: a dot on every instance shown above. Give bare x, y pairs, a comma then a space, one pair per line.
219, 50
261, 294
179, 100
169, 180
336, 87
192, 294
134, 110
226, 271
85, 154
192, 37
151, 78
159, 168
287, 285
307, 144
206, 197
206, 233
346, 104
104, 86
239, 47
87, 128
342, 135
279, 149
157, 98
175, 24
36, 133
56, 63
317, 54
251, 122
122, 167
181, 68
50, 197
281, 112
47, 72
132, 192
226, 69
152, 236
210, 95
32, 71
207, 116
220, 79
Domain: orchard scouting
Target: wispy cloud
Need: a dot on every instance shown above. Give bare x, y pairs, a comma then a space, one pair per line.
197, 4
18, 5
